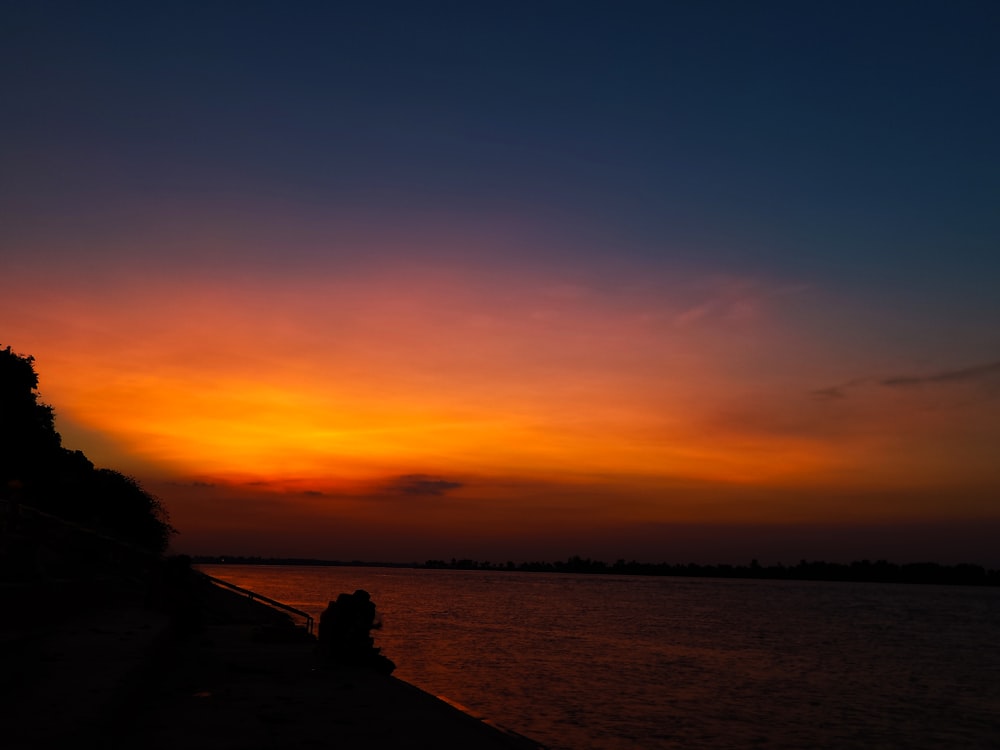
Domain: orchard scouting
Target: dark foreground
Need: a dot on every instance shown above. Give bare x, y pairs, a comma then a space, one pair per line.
121, 677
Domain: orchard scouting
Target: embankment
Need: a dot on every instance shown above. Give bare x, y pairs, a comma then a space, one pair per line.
208, 669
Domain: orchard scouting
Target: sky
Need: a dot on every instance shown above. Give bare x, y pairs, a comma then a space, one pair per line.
514, 280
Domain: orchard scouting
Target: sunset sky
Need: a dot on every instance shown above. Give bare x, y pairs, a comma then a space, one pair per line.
517, 280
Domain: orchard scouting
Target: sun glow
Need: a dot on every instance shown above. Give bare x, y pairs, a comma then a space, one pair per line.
353, 380
639, 392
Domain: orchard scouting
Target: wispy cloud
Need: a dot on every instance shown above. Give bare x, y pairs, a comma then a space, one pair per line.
945, 377
836, 392
958, 376
832, 393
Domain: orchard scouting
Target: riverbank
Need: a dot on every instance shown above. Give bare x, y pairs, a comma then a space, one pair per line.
122, 676
224, 689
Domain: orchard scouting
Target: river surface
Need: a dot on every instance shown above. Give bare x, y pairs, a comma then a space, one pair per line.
596, 662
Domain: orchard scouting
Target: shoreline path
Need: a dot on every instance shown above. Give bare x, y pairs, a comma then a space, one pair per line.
118, 677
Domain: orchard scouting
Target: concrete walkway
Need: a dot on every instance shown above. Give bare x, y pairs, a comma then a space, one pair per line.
118, 678
66, 683
222, 690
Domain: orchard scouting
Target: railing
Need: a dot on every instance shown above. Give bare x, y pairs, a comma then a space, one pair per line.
254, 596
18, 518
74, 538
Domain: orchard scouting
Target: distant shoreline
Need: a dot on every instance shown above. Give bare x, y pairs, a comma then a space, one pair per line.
860, 571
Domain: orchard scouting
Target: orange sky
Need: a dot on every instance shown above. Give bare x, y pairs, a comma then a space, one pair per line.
450, 403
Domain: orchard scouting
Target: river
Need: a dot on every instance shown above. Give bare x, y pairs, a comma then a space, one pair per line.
601, 662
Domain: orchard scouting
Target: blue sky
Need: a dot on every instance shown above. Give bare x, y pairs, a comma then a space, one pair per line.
781, 134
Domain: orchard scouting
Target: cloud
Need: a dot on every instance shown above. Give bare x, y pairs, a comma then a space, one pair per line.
422, 484
836, 392
829, 394
973, 374
963, 375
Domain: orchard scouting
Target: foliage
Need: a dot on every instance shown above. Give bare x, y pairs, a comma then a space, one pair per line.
35, 469
859, 570
28, 439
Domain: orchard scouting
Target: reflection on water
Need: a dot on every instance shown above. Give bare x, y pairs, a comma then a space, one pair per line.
609, 662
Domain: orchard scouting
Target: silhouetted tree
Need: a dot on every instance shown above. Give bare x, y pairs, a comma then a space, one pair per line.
29, 442
121, 506
35, 469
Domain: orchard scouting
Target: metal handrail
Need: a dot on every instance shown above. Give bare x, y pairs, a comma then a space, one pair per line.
253, 595
17, 512
13, 514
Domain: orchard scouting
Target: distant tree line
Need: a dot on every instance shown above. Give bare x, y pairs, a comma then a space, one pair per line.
310, 561
36, 471
879, 571
859, 570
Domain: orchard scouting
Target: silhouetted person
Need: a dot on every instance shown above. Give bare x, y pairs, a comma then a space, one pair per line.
344, 633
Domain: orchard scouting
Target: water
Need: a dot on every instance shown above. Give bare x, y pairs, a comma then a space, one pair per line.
613, 662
